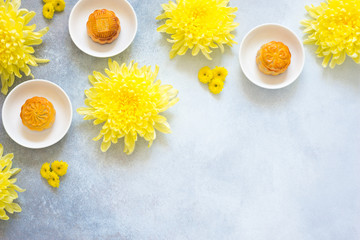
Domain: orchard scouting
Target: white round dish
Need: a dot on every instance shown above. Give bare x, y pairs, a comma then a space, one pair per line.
12, 108
263, 34
77, 26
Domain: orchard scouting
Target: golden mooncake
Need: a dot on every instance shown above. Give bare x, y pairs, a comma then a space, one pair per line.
38, 113
273, 58
103, 26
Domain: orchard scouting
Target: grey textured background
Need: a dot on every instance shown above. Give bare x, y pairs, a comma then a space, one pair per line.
248, 164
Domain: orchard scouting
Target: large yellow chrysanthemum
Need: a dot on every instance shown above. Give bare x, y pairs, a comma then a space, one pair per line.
198, 25
16, 39
128, 101
7, 186
335, 29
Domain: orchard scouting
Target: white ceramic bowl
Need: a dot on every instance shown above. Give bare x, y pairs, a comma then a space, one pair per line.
263, 34
77, 26
12, 108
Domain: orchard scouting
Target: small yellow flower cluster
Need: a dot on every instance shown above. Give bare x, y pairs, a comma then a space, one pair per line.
51, 6
215, 78
52, 173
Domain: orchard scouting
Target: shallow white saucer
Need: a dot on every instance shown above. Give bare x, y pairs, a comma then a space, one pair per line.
12, 108
263, 34
77, 26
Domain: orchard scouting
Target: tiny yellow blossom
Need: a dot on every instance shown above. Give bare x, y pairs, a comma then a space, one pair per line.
59, 167
335, 28
53, 180
45, 170
198, 25
48, 10
205, 75
59, 5
220, 73
128, 101
216, 85
7, 185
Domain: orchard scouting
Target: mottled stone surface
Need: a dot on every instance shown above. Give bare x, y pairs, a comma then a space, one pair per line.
248, 164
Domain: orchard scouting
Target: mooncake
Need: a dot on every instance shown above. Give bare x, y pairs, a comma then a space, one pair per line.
103, 26
273, 58
38, 113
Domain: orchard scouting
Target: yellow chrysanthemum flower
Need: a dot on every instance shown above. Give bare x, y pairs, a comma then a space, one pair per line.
59, 167
198, 25
53, 180
216, 85
335, 29
205, 74
220, 73
129, 102
59, 5
16, 40
48, 10
45, 170
7, 186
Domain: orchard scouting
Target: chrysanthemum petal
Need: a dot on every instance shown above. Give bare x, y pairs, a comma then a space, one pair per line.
163, 127
129, 144
28, 16
357, 59
105, 146
39, 60
3, 215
